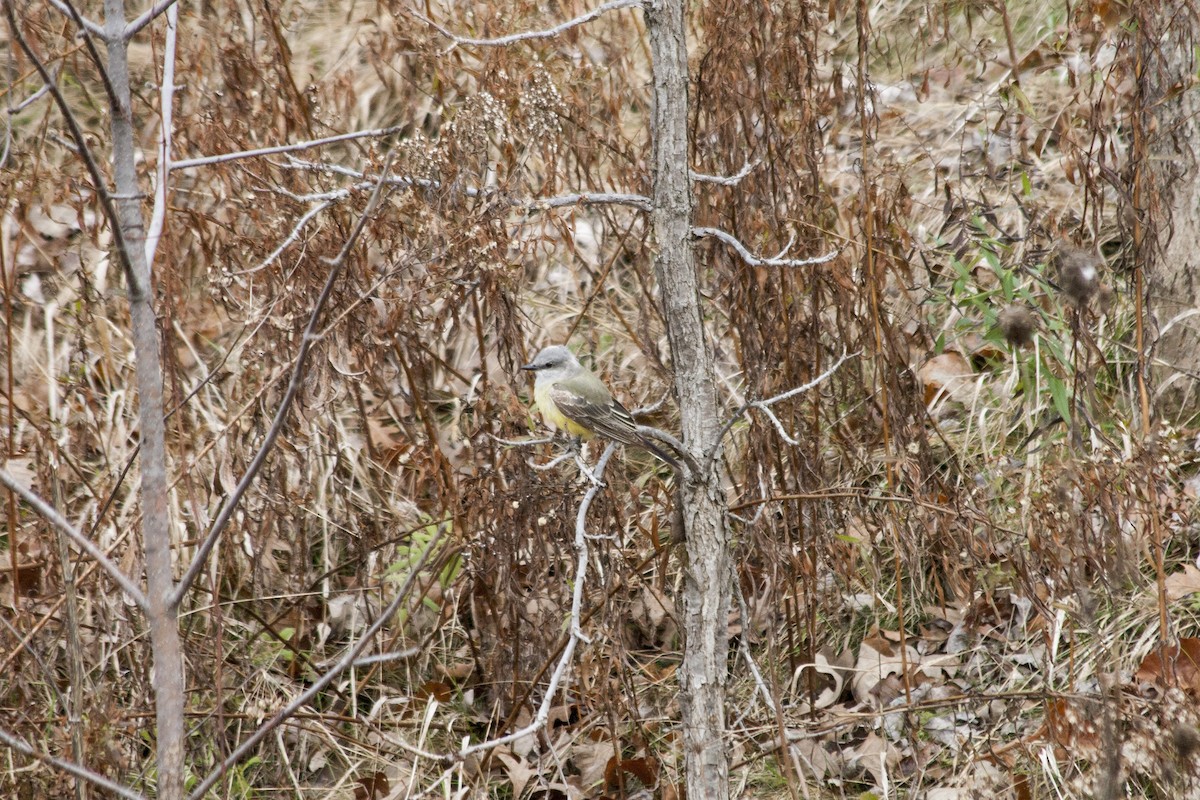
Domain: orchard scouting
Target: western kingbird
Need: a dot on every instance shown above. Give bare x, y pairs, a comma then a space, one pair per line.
574, 400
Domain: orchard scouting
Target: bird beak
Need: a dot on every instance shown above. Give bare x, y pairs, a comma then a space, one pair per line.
529, 367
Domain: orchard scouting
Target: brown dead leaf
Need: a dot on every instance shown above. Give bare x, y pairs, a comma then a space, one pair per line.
879, 659
950, 374
628, 773
1072, 726
439, 691
1182, 583
823, 680
372, 787
877, 756
591, 758
519, 773
1173, 666
816, 760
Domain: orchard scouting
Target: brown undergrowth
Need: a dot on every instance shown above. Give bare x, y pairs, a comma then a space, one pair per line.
953, 577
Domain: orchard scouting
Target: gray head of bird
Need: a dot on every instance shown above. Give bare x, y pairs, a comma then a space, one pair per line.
552, 360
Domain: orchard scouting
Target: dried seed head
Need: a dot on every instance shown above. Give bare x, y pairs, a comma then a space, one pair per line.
1186, 740
1078, 273
1017, 324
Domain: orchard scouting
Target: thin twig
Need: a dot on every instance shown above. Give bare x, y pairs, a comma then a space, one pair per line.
90, 46
638, 201
33, 98
291, 237
764, 405
759, 261
381, 658
744, 646
51, 515
576, 635
676, 445
146, 18
21, 746
725, 180
548, 33
319, 685
521, 442
552, 463
191, 163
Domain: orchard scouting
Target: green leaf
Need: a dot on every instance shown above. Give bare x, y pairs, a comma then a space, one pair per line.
1060, 395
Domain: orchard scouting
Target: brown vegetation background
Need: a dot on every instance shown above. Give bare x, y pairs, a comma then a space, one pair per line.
973, 524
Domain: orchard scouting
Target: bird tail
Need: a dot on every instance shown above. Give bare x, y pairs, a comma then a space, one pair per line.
658, 451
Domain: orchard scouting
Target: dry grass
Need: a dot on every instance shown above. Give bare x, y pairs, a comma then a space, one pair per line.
940, 543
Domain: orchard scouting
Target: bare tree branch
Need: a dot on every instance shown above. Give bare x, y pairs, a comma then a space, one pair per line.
21, 746
381, 658
676, 445
291, 237
548, 33
191, 163
51, 515
576, 635
638, 201
309, 338
723, 180
91, 26
765, 405
166, 95
146, 18
758, 261
28, 101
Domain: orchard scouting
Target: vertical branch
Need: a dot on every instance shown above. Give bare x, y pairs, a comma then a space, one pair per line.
162, 614
73, 703
1143, 248
8, 283
166, 113
706, 591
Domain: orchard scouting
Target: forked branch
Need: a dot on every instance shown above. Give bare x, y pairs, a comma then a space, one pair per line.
762, 261
765, 405
548, 33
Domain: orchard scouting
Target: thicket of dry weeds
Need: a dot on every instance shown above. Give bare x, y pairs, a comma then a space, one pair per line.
974, 524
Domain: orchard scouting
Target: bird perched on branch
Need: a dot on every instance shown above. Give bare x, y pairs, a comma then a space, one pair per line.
574, 400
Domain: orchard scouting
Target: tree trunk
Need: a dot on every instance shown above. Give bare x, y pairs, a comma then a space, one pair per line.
707, 575
1175, 279
162, 614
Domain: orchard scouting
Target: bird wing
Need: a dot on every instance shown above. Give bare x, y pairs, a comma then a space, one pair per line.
608, 419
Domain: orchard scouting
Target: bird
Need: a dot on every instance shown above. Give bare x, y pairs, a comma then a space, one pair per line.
572, 399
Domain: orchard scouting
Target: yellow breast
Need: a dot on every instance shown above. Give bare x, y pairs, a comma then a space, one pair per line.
551, 414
